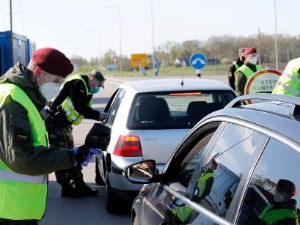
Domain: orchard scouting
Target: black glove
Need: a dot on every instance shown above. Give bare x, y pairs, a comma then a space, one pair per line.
81, 154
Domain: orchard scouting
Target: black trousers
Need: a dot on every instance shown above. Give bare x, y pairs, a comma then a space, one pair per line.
60, 133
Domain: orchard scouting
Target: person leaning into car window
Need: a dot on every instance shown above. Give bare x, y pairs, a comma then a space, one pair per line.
73, 104
206, 181
284, 209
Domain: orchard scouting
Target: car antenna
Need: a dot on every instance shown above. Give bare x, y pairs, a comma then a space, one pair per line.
182, 83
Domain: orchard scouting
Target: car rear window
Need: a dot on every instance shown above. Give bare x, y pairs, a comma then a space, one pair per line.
175, 110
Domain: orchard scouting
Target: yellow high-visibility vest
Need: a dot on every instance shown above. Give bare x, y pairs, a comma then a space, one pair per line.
23, 197
72, 115
289, 81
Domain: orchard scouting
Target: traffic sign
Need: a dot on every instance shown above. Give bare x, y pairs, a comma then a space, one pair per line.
138, 60
198, 61
262, 81
111, 67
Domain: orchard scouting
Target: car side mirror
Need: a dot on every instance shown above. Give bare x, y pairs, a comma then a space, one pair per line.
141, 172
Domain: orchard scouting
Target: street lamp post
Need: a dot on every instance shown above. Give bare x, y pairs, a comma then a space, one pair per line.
120, 34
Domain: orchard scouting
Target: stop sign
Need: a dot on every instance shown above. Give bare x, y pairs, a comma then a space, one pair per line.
262, 81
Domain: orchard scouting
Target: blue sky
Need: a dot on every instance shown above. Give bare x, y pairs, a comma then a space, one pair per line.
90, 27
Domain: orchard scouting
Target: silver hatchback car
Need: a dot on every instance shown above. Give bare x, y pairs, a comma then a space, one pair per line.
148, 119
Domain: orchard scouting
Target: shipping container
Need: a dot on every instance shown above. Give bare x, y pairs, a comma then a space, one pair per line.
20, 52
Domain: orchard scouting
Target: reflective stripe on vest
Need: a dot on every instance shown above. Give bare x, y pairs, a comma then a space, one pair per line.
277, 215
247, 71
202, 182
289, 81
10, 175
23, 197
72, 115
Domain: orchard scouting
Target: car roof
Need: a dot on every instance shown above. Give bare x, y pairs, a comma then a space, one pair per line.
280, 114
176, 84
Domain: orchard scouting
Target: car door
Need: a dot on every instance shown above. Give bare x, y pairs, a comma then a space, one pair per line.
111, 108
279, 162
167, 202
156, 205
233, 152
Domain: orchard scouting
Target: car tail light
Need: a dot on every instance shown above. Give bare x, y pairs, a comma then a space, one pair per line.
128, 146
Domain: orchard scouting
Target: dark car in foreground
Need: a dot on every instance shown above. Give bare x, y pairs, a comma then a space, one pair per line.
253, 146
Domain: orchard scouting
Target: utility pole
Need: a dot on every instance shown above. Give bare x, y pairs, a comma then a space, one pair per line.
259, 48
276, 51
153, 49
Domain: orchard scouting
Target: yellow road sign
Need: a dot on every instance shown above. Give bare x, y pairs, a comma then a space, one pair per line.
139, 60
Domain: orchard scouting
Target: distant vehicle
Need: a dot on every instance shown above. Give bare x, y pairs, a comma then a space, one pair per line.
148, 119
252, 147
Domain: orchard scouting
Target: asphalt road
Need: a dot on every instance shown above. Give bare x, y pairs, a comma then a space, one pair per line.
90, 210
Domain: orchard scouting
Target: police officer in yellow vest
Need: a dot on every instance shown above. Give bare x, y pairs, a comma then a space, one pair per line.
235, 65
70, 107
247, 70
289, 81
25, 158
284, 209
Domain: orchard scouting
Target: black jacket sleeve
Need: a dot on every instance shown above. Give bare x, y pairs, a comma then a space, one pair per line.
81, 99
231, 80
76, 90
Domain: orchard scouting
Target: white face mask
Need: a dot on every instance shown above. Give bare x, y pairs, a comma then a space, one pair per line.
253, 60
50, 90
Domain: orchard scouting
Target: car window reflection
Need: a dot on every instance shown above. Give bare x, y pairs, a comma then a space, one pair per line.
228, 160
272, 192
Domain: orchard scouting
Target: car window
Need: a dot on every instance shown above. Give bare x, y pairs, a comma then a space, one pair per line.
112, 112
187, 158
226, 163
277, 170
175, 110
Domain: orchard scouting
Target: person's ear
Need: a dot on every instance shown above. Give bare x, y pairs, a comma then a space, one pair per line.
37, 70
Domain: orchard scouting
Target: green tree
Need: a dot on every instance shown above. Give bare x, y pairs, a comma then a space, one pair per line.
108, 57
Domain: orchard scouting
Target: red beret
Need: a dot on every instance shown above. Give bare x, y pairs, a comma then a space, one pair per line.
249, 51
52, 61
